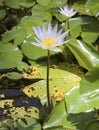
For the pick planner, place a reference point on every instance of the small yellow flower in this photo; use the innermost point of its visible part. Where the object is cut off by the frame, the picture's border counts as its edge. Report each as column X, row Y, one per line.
column 49, row 38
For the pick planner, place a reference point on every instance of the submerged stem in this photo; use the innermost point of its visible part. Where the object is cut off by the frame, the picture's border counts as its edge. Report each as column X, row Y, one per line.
column 47, row 82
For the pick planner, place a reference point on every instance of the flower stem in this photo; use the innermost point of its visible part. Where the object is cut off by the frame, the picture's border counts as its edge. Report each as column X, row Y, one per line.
column 47, row 82
column 68, row 26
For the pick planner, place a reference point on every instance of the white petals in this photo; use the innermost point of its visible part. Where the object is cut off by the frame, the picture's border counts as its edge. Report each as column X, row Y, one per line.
column 67, row 11
column 49, row 38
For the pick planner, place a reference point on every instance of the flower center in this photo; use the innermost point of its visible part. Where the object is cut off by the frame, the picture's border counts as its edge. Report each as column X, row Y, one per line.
column 48, row 41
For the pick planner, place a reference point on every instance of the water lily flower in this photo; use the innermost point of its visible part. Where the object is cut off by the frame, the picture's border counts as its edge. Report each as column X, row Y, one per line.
column 68, row 12
column 49, row 38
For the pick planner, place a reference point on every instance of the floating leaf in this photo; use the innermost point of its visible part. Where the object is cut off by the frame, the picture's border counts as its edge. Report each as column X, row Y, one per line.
column 13, row 3
column 71, row 113
column 85, row 27
column 57, row 118
column 92, row 6
column 57, row 3
column 22, row 66
column 10, row 55
column 86, row 55
column 7, row 124
column 14, row 75
column 60, row 82
column 16, row 35
column 28, row 124
column 27, row 3
column 42, row 12
column 79, row 5
column 28, row 22
column 33, row 52
column 44, row 2
column 2, row 14
column 17, row 109
column 90, row 82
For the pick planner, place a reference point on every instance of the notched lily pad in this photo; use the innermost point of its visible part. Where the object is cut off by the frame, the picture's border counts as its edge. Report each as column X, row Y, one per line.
column 60, row 81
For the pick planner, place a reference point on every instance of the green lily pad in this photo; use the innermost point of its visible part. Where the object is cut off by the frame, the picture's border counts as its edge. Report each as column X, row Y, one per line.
column 13, row 3
column 27, row 3
column 28, row 22
column 14, row 75
column 22, row 66
column 2, row 14
column 42, row 12
column 74, row 112
column 80, row 6
column 17, row 35
column 92, row 6
column 10, row 55
column 33, row 52
column 43, row 2
column 86, row 55
column 90, row 82
column 94, row 125
column 7, row 124
column 57, row 3
column 28, row 124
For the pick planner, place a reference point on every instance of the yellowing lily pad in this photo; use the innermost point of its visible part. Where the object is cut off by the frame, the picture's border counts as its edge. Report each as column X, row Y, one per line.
column 15, row 112
column 61, row 81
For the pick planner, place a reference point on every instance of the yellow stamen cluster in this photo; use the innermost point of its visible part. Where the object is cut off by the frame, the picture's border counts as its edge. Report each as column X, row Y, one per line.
column 48, row 41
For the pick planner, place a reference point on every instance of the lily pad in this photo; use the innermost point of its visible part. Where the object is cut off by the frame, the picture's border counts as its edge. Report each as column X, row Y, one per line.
column 28, row 124
column 17, row 110
column 57, row 3
column 28, row 22
column 14, row 75
column 10, row 55
column 60, row 82
column 92, row 6
column 13, row 3
column 72, row 113
column 15, row 35
column 43, row 2
column 42, row 12
column 2, row 14
column 22, row 66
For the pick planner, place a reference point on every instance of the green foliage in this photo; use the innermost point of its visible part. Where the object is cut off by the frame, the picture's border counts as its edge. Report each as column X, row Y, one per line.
column 15, row 35
column 2, row 14
column 28, row 124
column 72, row 113
column 80, row 105
column 14, row 75
column 42, row 12
column 16, row 4
column 43, row 2
column 31, row 51
column 10, row 55
column 92, row 6
column 86, row 55
column 22, row 66
column 90, row 81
